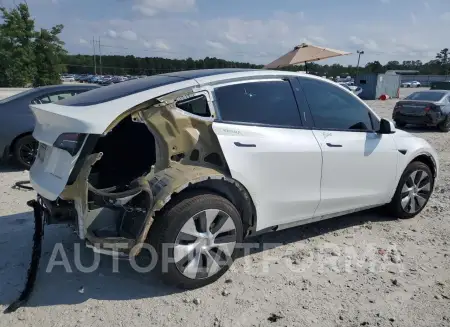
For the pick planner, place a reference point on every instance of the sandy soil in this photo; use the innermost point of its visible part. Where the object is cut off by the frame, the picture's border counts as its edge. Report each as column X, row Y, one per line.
column 359, row 270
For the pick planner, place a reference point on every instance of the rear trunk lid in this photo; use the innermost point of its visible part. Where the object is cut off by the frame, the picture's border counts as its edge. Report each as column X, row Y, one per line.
column 414, row 107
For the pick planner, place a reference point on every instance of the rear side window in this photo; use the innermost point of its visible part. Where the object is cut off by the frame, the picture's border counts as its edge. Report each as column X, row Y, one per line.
column 54, row 97
column 333, row 108
column 269, row 103
column 197, row 105
column 426, row 96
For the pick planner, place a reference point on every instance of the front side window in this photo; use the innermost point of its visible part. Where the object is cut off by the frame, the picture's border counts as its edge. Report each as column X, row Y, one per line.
column 333, row 108
column 266, row 102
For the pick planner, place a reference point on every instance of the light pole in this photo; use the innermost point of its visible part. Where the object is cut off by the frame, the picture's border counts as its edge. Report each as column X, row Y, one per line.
column 359, row 52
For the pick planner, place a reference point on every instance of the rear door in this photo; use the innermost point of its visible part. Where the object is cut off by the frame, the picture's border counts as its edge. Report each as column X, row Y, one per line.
column 269, row 149
column 359, row 165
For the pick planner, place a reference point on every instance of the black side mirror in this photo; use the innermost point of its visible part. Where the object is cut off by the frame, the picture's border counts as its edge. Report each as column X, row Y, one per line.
column 385, row 127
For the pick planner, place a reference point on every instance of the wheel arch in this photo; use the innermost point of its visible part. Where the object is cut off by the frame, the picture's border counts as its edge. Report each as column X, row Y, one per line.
column 228, row 188
column 17, row 138
column 428, row 160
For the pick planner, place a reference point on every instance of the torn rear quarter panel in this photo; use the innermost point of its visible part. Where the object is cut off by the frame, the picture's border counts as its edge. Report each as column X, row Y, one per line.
column 187, row 152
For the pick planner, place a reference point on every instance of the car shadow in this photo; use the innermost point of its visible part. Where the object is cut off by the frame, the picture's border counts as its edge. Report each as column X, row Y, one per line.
column 6, row 167
column 323, row 227
column 66, row 284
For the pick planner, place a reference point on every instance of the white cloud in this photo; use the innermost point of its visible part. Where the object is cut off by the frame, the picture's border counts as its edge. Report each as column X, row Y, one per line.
column 129, row 35
column 427, row 5
column 365, row 44
column 215, row 45
column 413, row 18
column 153, row 7
column 83, row 41
column 111, row 33
column 161, row 44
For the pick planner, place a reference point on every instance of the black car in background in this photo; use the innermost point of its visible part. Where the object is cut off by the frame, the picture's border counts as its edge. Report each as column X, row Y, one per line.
column 431, row 108
column 17, row 121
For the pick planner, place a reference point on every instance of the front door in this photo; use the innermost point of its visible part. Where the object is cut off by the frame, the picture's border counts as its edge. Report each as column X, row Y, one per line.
column 359, row 165
column 268, row 150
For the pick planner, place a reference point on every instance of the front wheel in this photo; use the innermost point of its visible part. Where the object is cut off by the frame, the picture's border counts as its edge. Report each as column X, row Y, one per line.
column 444, row 126
column 413, row 191
column 196, row 239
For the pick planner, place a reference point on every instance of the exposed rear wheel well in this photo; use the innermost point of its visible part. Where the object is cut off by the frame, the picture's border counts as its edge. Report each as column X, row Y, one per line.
column 232, row 191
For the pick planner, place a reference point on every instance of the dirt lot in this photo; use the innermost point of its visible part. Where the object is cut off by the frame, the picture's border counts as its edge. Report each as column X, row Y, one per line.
column 359, row 270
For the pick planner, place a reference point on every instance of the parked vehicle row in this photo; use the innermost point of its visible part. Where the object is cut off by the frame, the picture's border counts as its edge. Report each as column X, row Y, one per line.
column 228, row 154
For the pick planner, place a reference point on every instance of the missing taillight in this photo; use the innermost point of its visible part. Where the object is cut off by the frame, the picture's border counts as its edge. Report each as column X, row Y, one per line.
column 71, row 142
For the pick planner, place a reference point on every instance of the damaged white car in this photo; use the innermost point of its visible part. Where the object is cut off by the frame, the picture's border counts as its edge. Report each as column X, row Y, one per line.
column 203, row 159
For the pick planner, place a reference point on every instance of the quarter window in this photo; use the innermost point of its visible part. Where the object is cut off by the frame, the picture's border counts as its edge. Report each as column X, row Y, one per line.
column 333, row 108
column 197, row 105
column 269, row 103
column 54, row 97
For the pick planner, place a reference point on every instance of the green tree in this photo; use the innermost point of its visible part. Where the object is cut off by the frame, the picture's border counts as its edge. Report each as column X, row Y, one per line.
column 444, row 60
column 28, row 56
column 49, row 54
column 17, row 61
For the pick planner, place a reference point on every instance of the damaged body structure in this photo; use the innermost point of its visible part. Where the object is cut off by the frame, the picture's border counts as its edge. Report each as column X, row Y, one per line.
column 202, row 159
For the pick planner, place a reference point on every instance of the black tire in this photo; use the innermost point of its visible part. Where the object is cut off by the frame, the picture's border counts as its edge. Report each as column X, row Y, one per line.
column 400, row 124
column 395, row 207
column 444, row 126
column 25, row 151
column 167, row 226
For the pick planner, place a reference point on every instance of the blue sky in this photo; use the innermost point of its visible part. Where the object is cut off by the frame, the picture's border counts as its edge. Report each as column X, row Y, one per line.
column 257, row 31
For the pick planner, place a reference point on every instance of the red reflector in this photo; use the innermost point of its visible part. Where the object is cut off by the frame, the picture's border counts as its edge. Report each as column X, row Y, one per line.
column 427, row 109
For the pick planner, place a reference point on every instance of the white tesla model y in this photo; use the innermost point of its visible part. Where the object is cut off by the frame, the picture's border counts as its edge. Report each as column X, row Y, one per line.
column 199, row 160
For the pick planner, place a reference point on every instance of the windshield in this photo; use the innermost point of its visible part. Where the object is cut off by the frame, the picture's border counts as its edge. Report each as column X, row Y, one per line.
column 16, row 96
column 426, row 96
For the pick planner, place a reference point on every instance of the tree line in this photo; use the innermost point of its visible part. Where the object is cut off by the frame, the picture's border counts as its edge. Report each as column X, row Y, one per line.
column 37, row 57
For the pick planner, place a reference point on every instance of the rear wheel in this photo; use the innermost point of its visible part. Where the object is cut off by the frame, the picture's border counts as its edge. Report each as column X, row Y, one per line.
column 413, row 191
column 200, row 233
column 25, row 151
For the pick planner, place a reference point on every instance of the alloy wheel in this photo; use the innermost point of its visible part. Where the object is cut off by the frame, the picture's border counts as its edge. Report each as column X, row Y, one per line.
column 205, row 244
column 416, row 191
column 28, row 153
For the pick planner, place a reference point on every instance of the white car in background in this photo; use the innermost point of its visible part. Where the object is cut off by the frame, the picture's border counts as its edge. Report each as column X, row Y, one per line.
column 411, row 84
column 357, row 90
column 194, row 162
column 67, row 78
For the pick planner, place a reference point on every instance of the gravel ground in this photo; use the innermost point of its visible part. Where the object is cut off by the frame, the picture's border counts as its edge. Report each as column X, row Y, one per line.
column 359, row 270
